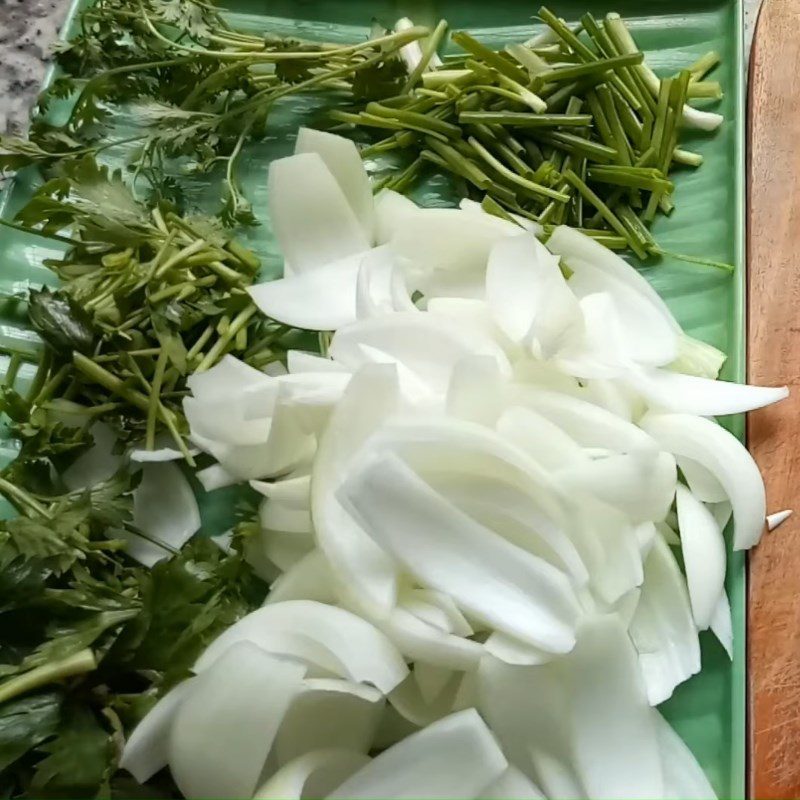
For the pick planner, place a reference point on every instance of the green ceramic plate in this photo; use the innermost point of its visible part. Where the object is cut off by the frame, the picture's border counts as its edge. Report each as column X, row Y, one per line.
column 708, row 711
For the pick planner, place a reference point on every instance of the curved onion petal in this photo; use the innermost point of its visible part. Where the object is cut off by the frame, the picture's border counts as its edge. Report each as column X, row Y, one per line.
column 528, row 295
column 613, row 736
column 526, row 708
column 726, row 458
column 640, row 484
column 380, row 287
column 687, row 394
column 145, row 751
column 454, row 757
column 311, row 775
column 646, row 333
column 300, row 362
column 361, row 568
column 722, row 625
column 392, row 211
column 225, row 726
column 437, row 608
column 473, row 207
column 571, row 245
column 684, row 778
column 216, row 383
column 662, row 628
column 164, row 508
column 477, row 390
column 416, row 706
column 703, row 555
column 293, row 492
column 778, row 518
column 429, row 345
column 431, row 680
column 487, row 576
column 418, row 640
column 449, row 244
column 344, row 162
column 311, row 218
column 513, row 651
column 309, row 578
column 586, row 423
column 306, row 630
column 322, row 299
column 511, row 785
column 704, row 486
column 539, row 437
column 215, row 477
column 328, row 713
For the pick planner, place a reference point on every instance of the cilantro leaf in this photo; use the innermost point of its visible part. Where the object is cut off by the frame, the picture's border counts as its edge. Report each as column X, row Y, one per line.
column 27, row 722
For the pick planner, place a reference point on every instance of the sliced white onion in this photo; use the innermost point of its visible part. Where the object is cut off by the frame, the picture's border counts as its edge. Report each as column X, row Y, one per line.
column 663, row 629
column 641, row 484
column 687, row 394
column 312, row 775
column 229, row 372
column 416, row 706
column 571, row 245
column 488, row 577
column 308, row 579
column 722, row 625
column 703, row 484
column 513, row 651
column 361, row 568
column 613, row 737
column 310, row 214
column 512, row 785
column 528, row 295
column 322, row 299
column 726, row 458
column 145, row 751
column 392, row 212
column 380, row 285
column 216, row 477
column 97, row 464
column 684, row 778
column 455, row 757
column 327, row 636
column 477, row 390
column 164, row 506
column 327, row 713
column 344, row 162
column 539, row 437
column 445, row 611
column 298, row 362
column 703, row 555
column 225, row 726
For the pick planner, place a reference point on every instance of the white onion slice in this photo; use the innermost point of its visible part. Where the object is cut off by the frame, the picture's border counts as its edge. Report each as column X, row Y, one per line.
column 703, row 554
column 327, row 713
column 684, row 778
column 361, row 568
column 311, row 218
column 722, row 625
column 417, row 707
column 322, row 299
column 230, row 372
column 300, row 362
column 488, row 577
column 216, row 477
column 726, row 458
column 312, row 775
column 225, row 726
column 164, row 506
column 309, row 578
column 778, row 518
column 145, row 751
column 539, row 438
column 344, row 162
column 687, row 394
column 528, row 295
column 97, row 464
column 704, row 486
column 476, row 391
column 571, row 245
column 511, row 785
column 663, row 629
column 454, row 757
column 392, row 211
column 314, row 631
column 613, row 736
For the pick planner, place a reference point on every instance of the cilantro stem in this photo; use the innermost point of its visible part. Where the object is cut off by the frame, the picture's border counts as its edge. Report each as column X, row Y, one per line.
column 77, row 664
column 102, row 376
column 152, row 410
column 33, row 231
column 428, row 51
column 22, row 500
column 238, row 322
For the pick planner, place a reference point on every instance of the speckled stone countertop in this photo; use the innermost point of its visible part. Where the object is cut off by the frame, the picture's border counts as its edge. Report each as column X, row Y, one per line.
column 29, row 27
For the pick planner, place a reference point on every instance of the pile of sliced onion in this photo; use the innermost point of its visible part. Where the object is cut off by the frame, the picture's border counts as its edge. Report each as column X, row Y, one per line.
column 476, row 504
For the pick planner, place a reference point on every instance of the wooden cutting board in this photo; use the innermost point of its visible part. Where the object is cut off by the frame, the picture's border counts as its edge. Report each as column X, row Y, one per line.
column 773, row 257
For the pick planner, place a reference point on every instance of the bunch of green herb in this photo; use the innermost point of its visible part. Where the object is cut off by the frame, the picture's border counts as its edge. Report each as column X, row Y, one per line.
column 145, row 299
column 568, row 129
column 197, row 88
column 90, row 641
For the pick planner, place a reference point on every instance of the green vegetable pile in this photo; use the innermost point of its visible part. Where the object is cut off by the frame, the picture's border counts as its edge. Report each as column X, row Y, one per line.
column 196, row 88
column 572, row 129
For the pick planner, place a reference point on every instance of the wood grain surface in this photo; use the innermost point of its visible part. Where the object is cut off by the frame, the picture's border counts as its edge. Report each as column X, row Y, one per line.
column 774, row 433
